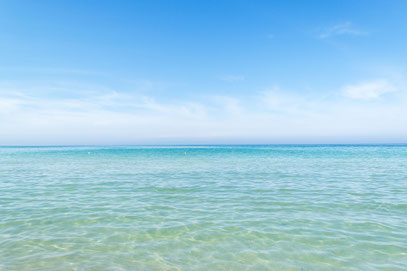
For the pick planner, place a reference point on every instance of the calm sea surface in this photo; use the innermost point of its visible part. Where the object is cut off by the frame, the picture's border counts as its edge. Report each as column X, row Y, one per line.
column 213, row 208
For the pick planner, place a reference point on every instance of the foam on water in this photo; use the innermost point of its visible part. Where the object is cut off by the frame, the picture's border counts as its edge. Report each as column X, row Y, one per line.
column 213, row 208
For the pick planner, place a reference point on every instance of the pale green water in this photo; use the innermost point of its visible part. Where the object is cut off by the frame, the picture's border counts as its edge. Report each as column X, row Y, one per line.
column 216, row 208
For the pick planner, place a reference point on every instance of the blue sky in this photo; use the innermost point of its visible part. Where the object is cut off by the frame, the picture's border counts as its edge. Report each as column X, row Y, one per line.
column 202, row 72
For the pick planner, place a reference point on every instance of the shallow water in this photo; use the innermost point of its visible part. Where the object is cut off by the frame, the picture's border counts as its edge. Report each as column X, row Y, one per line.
column 213, row 208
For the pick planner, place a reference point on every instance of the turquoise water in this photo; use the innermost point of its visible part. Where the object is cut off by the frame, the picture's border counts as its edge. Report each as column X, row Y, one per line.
column 213, row 208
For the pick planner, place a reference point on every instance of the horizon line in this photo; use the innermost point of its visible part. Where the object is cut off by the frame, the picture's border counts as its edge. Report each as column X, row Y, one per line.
column 207, row 145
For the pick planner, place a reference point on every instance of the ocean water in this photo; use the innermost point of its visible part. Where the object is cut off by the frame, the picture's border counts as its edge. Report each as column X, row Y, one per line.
column 203, row 208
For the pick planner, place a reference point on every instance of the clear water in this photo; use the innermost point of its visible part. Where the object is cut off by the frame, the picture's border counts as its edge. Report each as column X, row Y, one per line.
column 213, row 208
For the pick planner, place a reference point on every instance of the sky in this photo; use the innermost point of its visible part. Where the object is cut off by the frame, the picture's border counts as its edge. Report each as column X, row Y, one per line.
column 203, row 72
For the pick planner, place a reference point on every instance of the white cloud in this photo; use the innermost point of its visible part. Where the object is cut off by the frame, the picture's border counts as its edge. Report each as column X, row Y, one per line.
column 272, row 116
column 368, row 90
column 345, row 28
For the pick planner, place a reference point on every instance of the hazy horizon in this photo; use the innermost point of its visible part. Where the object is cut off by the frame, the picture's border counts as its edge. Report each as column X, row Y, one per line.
column 205, row 145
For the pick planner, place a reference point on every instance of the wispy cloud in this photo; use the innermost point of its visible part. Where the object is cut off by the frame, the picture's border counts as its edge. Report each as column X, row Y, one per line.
column 273, row 115
column 345, row 28
column 368, row 90
column 230, row 105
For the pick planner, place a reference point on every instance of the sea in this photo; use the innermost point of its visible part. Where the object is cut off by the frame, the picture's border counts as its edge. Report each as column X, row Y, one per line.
column 240, row 207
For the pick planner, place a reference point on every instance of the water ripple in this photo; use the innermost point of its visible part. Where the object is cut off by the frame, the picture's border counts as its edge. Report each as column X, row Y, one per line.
column 217, row 208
